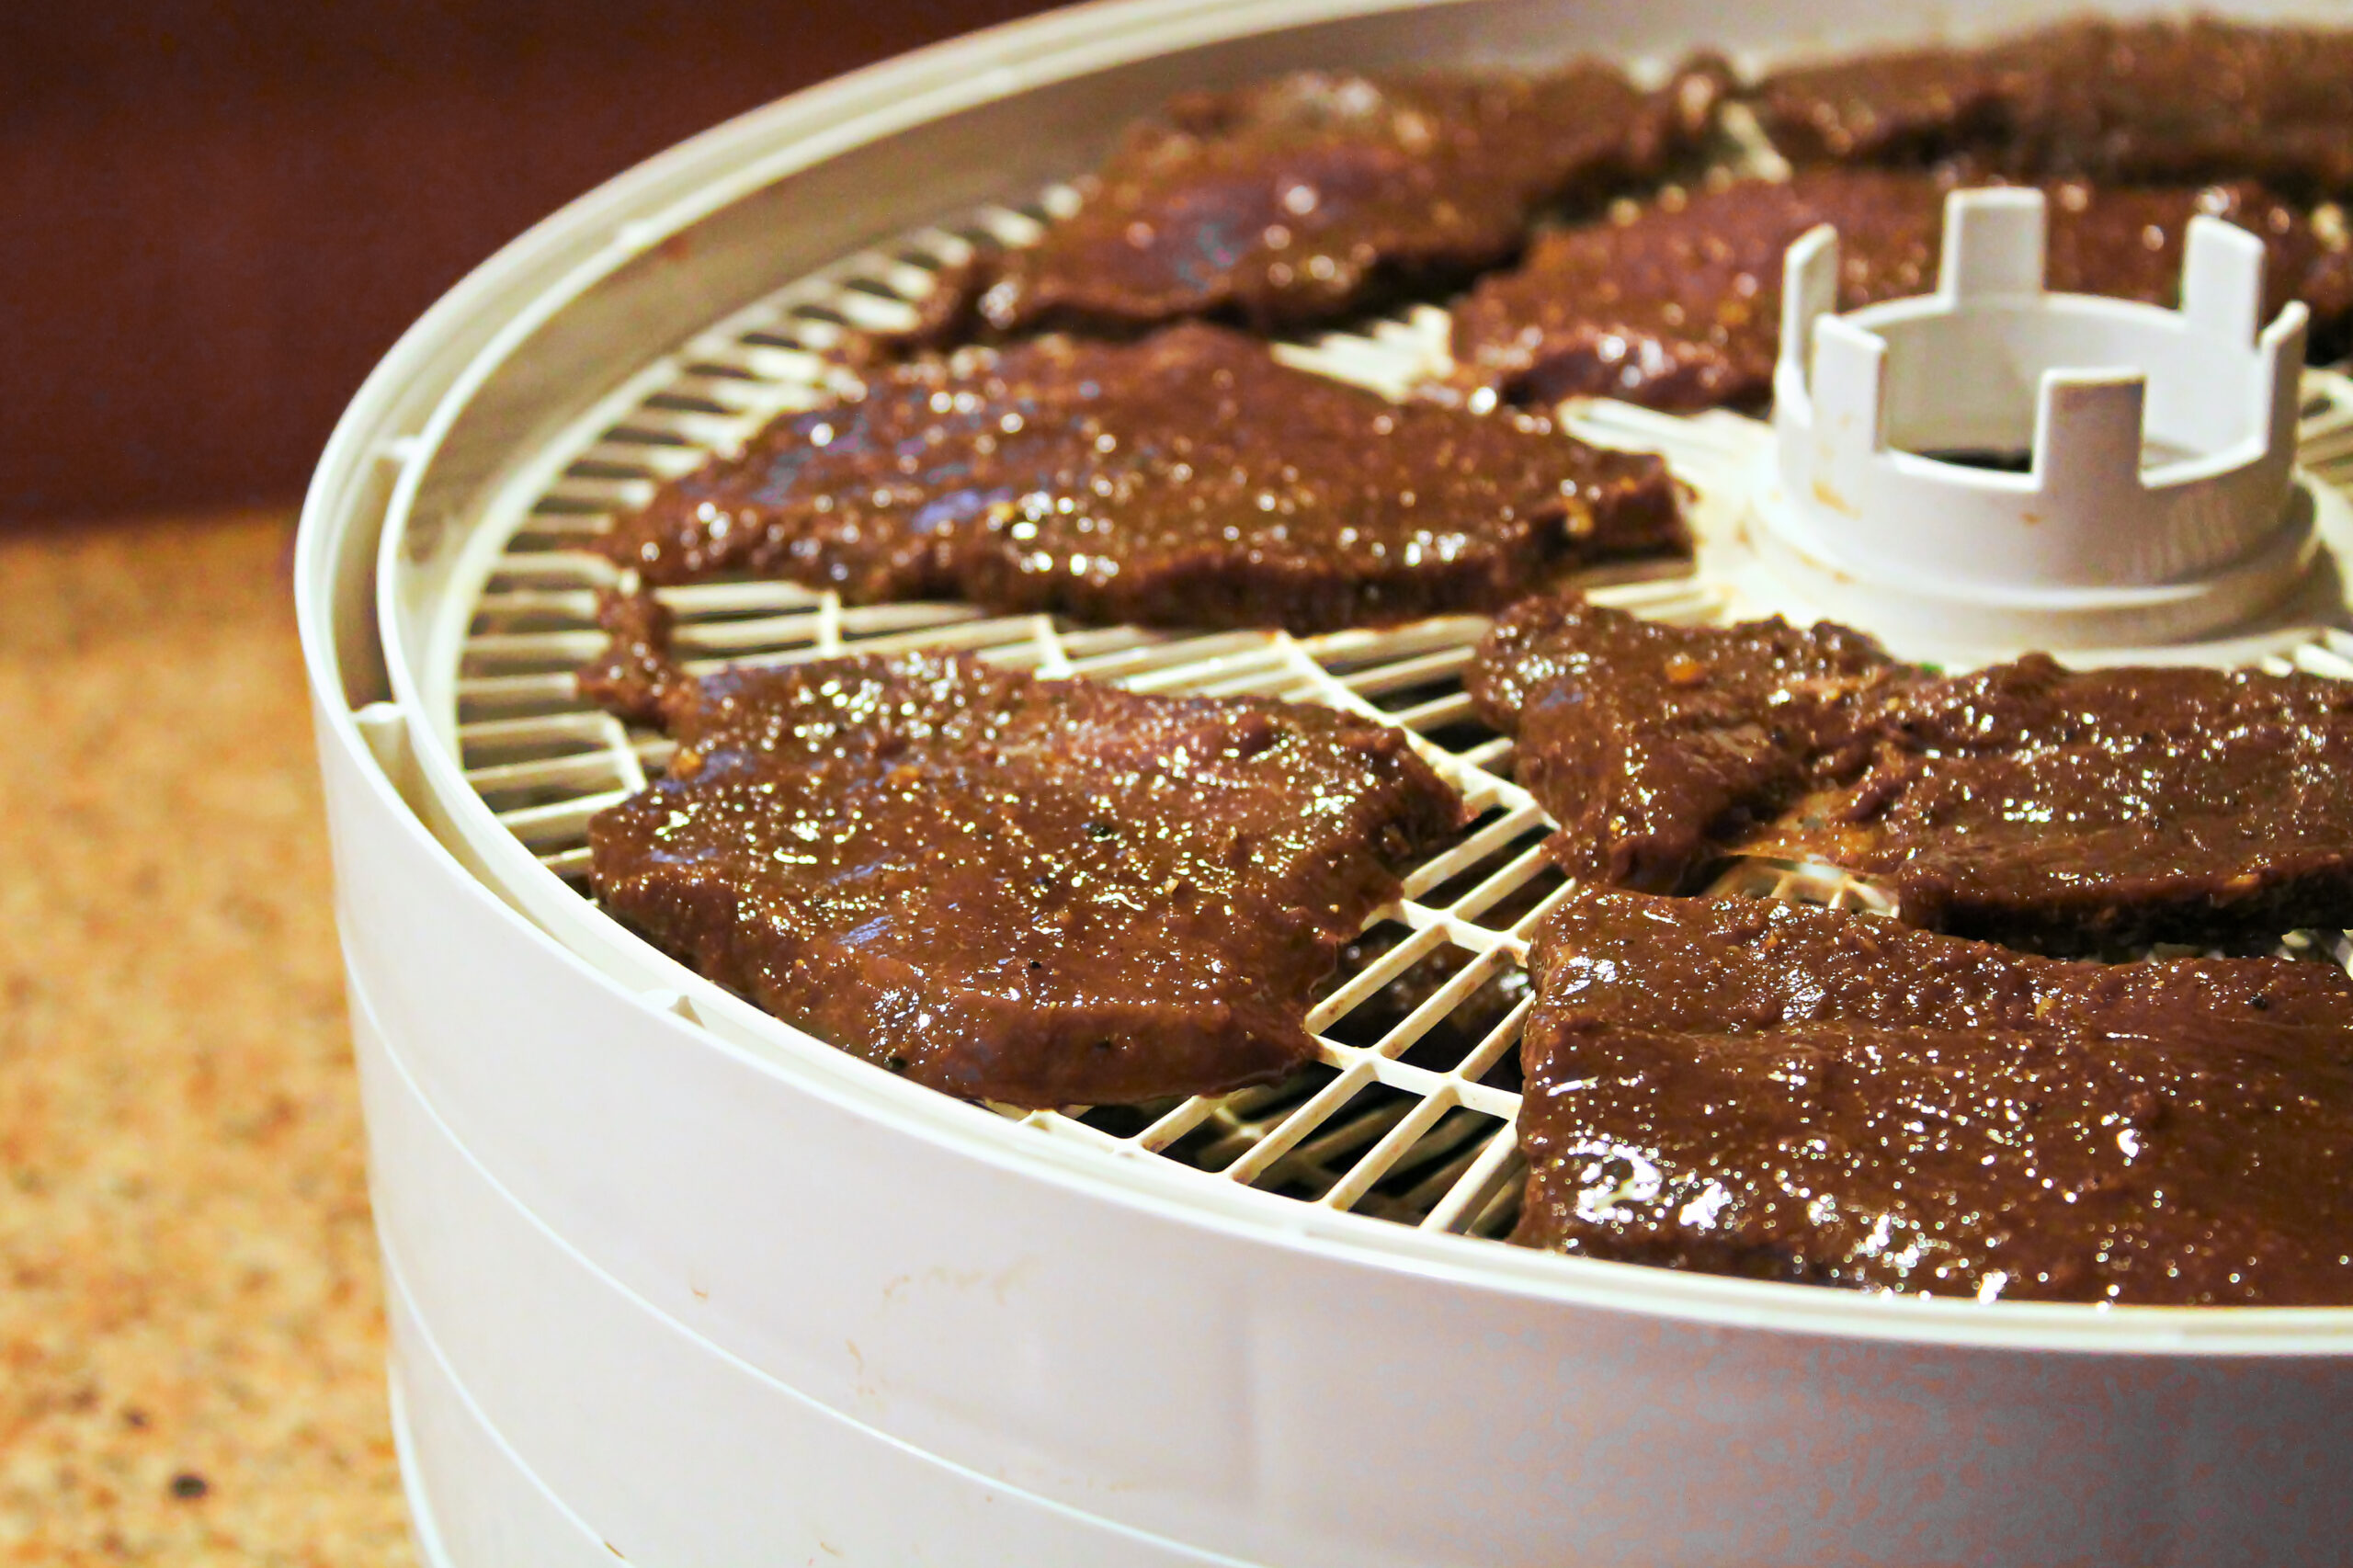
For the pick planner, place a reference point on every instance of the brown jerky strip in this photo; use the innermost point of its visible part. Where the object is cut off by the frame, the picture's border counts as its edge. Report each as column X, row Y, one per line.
column 1787, row 1093
column 2071, row 811
column 1187, row 479
column 1311, row 196
column 2090, row 810
column 1043, row 892
column 1658, row 748
column 2149, row 100
column 1680, row 306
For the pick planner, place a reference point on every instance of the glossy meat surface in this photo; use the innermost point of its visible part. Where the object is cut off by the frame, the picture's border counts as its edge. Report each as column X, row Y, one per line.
column 1656, row 747
column 1042, row 892
column 1187, row 479
column 2160, row 99
column 2084, row 810
column 1314, row 195
column 2069, row 811
column 1680, row 306
column 1789, row 1093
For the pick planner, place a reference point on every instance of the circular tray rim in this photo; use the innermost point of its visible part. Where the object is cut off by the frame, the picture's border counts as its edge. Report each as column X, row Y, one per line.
column 548, row 268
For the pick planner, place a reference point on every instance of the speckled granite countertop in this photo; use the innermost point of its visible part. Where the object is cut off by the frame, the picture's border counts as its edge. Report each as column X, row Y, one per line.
column 191, row 1341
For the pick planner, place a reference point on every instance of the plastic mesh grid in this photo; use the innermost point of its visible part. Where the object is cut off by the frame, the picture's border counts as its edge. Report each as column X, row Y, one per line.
column 1407, row 1112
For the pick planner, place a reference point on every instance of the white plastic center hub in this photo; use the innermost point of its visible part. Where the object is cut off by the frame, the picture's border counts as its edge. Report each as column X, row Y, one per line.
column 2158, row 500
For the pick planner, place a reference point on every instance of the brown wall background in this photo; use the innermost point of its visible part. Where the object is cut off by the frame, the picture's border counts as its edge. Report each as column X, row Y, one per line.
column 216, row 214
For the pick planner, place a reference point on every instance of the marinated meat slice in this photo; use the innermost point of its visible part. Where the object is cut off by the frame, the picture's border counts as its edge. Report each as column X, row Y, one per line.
column 1190, row 478
column 638, row 669
column 1787, row 1093
column 2069, row 811
column 1912, row 106
column 1657, row 748
column 1679, row 305
column 2089, row 810
column 2158, row 99
column 1311, row 195
column 1042, row 892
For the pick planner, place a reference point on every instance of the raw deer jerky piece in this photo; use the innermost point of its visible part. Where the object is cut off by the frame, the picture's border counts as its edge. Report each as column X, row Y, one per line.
column 1786, row 1093
column 1044, row 893
column 1189, row 478
column 1657, row 748
column 2070, row 811
column 1679, row 305
column 2161, row 99
column 638, row 668
column 2089, row 810
column 1309, row 195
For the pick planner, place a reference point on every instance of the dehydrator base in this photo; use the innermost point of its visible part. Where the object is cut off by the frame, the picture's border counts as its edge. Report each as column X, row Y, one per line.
column 1502, row 1426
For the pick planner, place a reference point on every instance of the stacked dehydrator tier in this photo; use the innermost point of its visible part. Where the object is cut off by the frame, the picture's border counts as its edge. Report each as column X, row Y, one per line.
column 672, row 1283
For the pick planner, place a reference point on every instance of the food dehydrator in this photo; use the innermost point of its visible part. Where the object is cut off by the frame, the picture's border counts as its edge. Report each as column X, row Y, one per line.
column 672, row 1283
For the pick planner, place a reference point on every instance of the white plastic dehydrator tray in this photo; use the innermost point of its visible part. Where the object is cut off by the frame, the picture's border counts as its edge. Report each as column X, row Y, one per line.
column 674, row 1283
